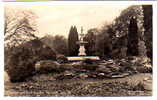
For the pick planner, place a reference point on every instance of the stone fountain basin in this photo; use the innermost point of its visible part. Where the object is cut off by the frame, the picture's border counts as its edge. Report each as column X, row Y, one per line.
column 82, row 58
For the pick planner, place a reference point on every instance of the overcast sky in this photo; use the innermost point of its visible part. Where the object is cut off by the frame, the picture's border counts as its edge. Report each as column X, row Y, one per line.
column 57, row 19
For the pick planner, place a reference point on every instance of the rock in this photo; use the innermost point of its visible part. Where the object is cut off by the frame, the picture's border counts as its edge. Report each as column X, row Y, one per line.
column 103, row 69
column 113, row 68
column 101, row 75
column 45, row 66
column 65, row 75
column 68, row 73
column 83, row 76
column 124, row 63
column 90, row 66
column 62, row 59
column 109, row 62
column 120, row 75
column 88, row 61
column 22, row 59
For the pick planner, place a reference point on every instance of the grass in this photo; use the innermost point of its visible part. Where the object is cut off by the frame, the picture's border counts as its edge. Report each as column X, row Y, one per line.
column 46, row 85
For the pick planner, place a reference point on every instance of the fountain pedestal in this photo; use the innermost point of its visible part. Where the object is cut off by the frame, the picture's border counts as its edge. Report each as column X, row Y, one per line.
column 81, row 43
column 82, row 51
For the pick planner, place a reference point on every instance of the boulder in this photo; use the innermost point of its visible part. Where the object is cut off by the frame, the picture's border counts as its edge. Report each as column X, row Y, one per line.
column 83, row 75
column 88, row 61
column 22, row 59
column 68, row 73
column 101, row 75
column 103, row 69
column 90, row 66
column 62, row 59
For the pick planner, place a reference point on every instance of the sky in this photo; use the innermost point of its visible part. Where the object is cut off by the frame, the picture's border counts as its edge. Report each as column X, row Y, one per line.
column 57, row 19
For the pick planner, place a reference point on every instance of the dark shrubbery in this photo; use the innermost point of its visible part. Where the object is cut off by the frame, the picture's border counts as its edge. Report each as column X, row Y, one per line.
column 88, row 61
column 22, row 59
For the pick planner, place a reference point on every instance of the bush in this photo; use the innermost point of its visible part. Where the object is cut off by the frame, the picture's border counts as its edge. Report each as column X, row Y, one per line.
column 19, row 65
column 22, row 59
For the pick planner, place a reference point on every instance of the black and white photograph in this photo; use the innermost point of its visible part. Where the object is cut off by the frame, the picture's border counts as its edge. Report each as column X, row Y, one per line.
column 78, row 50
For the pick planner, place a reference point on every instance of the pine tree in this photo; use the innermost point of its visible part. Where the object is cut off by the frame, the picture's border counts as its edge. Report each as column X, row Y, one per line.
column 72, row 41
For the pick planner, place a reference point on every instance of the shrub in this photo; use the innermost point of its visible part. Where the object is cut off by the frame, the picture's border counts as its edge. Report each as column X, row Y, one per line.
column 23, row 58
column 19, row 65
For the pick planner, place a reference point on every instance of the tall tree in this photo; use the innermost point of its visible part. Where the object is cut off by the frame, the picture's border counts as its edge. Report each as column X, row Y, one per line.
column 72, row 41
column 19, row 26
column 147, row 11
column 60, row 44
column 91, row 39
column 133, row 38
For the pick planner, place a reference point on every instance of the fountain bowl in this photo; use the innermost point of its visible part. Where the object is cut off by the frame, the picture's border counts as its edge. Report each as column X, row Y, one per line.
column 82, row 58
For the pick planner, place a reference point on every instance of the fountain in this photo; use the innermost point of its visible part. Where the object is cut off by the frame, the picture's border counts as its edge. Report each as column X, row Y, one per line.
column 81, row 43
column 82, row 54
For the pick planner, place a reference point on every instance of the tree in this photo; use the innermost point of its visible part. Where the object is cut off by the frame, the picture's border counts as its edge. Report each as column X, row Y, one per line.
column 19, row 27
column 147, row 11
column 133, row 38
column 91, row 41
column 128, row 34
column 72, row 41
column 103, row 42
column 60, row 45
column 48, row 40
